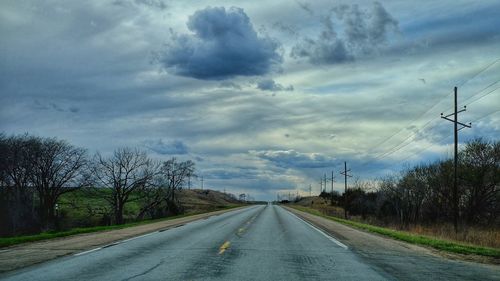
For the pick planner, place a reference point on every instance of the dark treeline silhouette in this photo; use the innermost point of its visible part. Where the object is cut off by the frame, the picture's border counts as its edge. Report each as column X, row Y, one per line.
column 35, row 172
column 423, row 194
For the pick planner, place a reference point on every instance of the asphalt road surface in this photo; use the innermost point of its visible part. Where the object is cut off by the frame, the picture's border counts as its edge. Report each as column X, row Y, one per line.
column 255, row 243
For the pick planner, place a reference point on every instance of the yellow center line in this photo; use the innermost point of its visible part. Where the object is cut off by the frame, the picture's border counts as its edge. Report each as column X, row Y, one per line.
column 224, row 247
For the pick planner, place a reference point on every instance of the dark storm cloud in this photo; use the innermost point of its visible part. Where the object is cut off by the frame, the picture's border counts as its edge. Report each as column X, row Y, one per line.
column 271, row 85
column 166, row 147
column 326, row 49
column 294, row 159
column 358, row 33
column 224, row 44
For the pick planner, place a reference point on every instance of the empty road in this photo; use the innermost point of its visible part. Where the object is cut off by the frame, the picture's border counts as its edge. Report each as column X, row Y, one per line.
column 255, row 243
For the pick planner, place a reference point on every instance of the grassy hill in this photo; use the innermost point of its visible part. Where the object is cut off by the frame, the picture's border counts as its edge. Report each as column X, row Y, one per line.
column 196, row 200
column 82, row 209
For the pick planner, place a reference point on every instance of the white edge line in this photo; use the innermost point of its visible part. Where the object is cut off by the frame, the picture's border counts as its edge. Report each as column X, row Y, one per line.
column 133, row 238
column 322, row 232
column 114, row 243
column 137, row 237
column 86, row 252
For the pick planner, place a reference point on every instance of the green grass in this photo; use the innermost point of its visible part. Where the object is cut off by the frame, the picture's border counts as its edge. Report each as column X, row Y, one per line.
column 443, row 245
column 9, row 241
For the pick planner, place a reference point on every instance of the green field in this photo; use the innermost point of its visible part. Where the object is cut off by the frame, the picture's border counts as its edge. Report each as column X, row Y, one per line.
column 9, row 241
column 81, row 211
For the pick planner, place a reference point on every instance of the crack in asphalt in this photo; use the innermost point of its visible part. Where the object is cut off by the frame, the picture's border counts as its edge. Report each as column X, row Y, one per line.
column 145, row 272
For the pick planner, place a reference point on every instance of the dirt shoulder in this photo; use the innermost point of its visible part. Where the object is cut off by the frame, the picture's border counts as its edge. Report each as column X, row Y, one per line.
column 399, row 259
column 23, row 255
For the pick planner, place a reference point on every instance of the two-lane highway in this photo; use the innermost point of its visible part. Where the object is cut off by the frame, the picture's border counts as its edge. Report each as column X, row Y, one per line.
column 255, row 243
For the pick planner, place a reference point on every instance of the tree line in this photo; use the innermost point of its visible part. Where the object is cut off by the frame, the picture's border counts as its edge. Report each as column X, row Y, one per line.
column 36, row 171
column 423, row 194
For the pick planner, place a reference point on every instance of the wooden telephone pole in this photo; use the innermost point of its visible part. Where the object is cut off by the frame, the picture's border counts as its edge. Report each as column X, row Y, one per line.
column 344, row 173
column 331, row 194
column 455, row 158
column 325, row 182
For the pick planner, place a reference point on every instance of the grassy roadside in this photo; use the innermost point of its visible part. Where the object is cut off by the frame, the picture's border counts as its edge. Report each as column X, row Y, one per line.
column 9, row 241
column 438, row 244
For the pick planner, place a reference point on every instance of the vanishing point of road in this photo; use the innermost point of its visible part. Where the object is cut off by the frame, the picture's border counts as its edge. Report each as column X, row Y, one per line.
column 264, row 242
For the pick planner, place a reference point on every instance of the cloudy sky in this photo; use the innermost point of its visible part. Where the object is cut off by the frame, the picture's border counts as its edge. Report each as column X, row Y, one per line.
column 265, row 96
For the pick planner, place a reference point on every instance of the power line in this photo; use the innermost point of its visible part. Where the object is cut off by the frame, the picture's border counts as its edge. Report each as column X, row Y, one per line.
column 442, row 139
column 391, row 151
column 480, row 97
column 402, row 144
column 479, row 72
column 397, row 148
column 439, row 101
column 425, row 148
column 466, row 102
column 491, row 113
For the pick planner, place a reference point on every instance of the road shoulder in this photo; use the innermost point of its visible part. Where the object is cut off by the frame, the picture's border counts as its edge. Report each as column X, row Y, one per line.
column 27, row 254
column 397, row 258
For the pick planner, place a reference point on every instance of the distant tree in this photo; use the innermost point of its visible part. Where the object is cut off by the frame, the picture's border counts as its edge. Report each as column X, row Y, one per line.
column 42, row 169
column 392, row 204
column 160, row 199
column 480, row 180
column 125, row 172
column 4, row 150
column 58, row 168
column 176, row 174
column 17, row 165
column 361, row 199
column 16, row 168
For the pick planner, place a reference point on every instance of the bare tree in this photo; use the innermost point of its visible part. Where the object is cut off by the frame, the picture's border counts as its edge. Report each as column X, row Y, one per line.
column 176, row 173
column 16, row 167
column 125, row 172
column 480, row 180
column 160, row 198
column 58, row 168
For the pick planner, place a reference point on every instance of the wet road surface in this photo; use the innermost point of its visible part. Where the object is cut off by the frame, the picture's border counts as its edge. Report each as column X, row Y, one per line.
column 264, row 242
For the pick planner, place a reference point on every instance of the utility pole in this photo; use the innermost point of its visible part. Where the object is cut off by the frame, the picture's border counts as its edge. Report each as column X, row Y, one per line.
column 201, row 182
column 320, row 185
column 455, row 157
column 331, row 194
column 325, row 182
column 345, row 187
column 310, row 190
